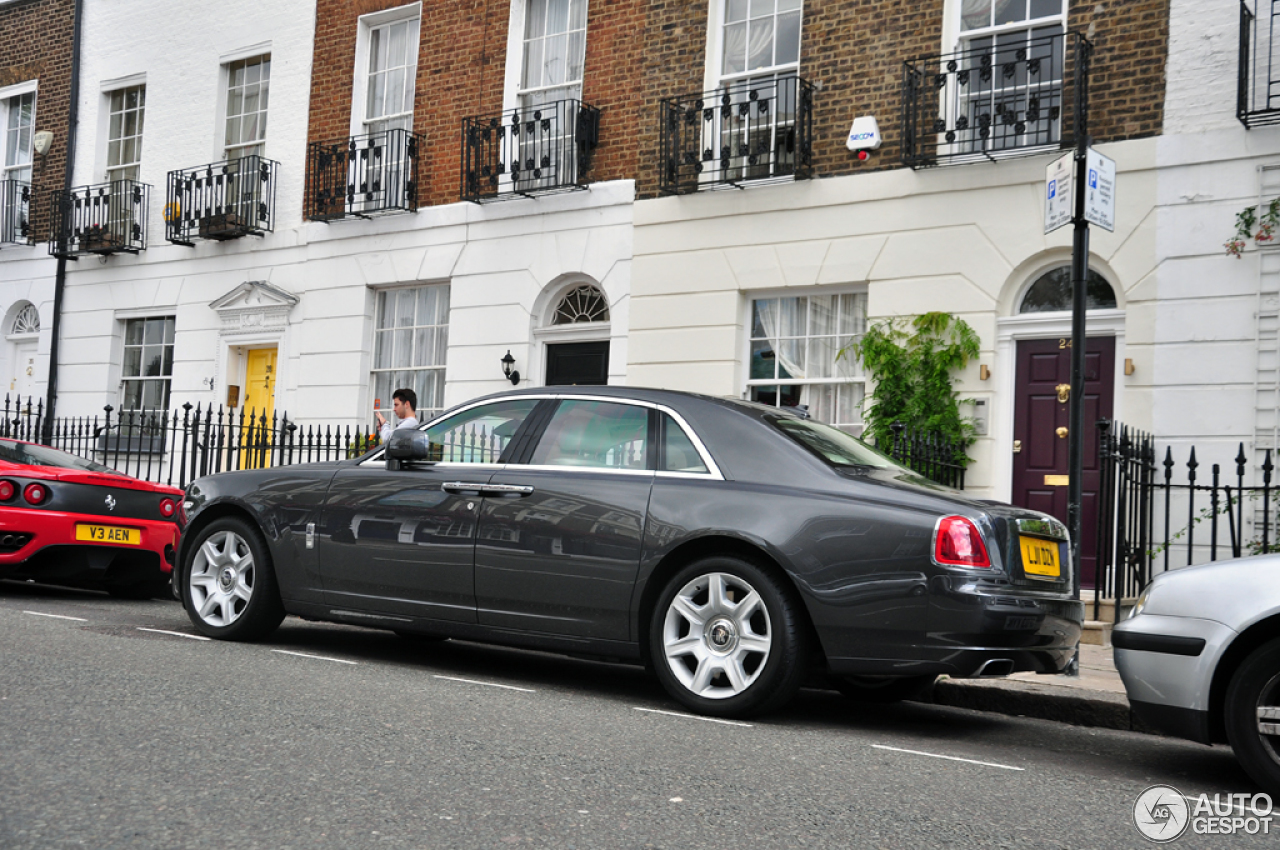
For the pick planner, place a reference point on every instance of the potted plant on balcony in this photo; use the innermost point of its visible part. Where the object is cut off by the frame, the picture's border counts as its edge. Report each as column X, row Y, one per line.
column 225, row 225
column 100, row 238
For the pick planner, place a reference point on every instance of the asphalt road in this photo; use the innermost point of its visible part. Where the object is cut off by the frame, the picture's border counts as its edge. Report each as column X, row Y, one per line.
column 120, row 730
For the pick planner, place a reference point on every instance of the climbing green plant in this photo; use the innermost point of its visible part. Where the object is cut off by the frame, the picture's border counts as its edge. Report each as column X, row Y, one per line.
column 912, row 364
column 1250, row 224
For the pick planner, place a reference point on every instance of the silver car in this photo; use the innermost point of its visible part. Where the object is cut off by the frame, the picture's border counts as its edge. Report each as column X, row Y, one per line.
column 1200, row 659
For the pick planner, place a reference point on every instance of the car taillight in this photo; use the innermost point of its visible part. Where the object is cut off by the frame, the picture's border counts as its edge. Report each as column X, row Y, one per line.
column 7, row 490
column 958, row 543
column 35, row 493
column 167, row 508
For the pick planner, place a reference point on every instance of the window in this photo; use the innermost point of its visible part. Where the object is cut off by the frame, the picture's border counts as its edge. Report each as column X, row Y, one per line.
column 248, row 82
column 1005, row 40
column 124, row 133
column 555, row 49
column 25, row 322
column 410, row 340
column 148, row 363
column 795, row 356
column 18, row 114
column 678, row 452
column 581, row 304
column 19, row 124
column 759, row 60
column 1052, row 292
column 598, row 434
column 480, row 434
column 390, row 74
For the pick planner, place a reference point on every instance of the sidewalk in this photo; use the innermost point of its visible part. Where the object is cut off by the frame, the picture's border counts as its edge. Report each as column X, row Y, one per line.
column 1094, row 698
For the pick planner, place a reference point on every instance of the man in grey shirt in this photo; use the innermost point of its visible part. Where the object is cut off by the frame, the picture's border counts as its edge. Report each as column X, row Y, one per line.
column 404, row 402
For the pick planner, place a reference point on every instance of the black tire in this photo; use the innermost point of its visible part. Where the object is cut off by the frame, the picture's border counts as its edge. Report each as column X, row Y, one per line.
column 228, row 584
column 882, row 689
column 1256, row 687
column 764, row 646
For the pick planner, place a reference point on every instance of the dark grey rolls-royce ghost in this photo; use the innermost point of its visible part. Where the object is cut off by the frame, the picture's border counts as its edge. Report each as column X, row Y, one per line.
column 731, row 547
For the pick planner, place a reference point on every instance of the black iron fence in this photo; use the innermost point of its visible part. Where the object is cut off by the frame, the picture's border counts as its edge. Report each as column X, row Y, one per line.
column 995, row 99
column 932, row 455
column 15, row 212
column 1158, row 513
column 1258, row 81
column 363, row 176
column 531, row 151
column 221, row 200
column 177, row 446
column 106, row 218
column 751, row 130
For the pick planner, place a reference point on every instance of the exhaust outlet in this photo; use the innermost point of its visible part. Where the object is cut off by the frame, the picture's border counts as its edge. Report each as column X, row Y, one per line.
column 995, row 668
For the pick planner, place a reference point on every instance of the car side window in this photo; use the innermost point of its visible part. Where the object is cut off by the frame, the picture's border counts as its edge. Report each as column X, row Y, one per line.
column 599, row 434
column 678, row 452
column 480, row 434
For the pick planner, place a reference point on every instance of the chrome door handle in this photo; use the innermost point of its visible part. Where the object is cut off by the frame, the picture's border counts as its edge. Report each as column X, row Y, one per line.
column 462, row 487
column 506, row 490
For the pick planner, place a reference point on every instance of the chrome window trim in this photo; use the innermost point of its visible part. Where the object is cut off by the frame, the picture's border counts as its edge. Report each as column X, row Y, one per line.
column 713, row 473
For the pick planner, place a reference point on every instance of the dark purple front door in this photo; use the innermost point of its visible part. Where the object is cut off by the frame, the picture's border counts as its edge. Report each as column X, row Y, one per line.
column 1040, row 423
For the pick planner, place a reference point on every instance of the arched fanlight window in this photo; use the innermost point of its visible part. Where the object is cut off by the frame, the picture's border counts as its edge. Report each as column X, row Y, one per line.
column 581, row 304
column 26, row 322
column 1052, row 292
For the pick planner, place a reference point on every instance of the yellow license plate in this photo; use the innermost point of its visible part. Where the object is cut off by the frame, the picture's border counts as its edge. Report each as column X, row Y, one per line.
column 109, row 534
column 1040, row 557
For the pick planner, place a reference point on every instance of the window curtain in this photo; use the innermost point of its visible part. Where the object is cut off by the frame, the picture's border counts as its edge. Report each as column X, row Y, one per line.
column 739, row 49
column 976, row 14
column 785, row 317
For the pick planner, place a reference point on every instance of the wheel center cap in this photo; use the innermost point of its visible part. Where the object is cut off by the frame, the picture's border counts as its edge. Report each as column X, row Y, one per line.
column 227, row 578
column 721, row 635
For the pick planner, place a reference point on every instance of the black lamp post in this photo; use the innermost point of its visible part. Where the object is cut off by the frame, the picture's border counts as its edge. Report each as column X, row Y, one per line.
column 507, row 362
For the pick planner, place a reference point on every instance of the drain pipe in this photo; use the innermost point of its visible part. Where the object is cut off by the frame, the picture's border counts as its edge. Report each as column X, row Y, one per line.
column 60, row 275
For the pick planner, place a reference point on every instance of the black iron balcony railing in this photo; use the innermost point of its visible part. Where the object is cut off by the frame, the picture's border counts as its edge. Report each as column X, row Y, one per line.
column 1258, row 84
column 15, row 212
column 525, row 152
column 107, row 218
column 222, row 200
column 363, row 176
column 752, row 130
column 995, row 100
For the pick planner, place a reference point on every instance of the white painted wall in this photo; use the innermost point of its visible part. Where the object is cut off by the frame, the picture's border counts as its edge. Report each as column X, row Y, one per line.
column 963, row 239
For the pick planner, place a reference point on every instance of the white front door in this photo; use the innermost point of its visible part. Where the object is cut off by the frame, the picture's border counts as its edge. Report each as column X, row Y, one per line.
column 22, row 381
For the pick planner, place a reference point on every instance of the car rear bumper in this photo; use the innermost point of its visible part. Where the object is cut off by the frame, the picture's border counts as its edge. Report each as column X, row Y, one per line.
column 969, row 629
column 34, row 532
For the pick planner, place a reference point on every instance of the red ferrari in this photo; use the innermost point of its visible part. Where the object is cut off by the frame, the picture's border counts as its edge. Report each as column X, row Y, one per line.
column 67, row 520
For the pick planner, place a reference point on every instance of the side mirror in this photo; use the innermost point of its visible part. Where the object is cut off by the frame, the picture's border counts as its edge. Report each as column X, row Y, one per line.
column 410, row 445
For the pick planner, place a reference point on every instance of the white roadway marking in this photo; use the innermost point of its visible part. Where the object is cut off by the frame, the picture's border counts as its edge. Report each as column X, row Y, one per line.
column 316, row 657
column 487, row 684
column 948, row 758
column 693, row 717
column 56, row 616
column 175, row 634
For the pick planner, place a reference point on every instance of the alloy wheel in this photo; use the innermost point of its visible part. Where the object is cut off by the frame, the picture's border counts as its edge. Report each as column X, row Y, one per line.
column 717, row 636
column 222, row 578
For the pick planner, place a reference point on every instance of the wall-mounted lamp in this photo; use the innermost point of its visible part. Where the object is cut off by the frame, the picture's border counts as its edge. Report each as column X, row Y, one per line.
column 507, row 362
column 984, row 372
column 42, row 141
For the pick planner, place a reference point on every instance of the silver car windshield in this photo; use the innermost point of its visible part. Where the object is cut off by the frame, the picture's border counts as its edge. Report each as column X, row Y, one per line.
column 833, row 445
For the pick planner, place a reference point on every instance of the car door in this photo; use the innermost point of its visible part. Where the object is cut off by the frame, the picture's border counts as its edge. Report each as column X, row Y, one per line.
column 559, row 541
column 402, row 542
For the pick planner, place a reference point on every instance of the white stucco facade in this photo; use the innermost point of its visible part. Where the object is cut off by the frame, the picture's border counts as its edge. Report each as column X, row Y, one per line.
column 505, row 263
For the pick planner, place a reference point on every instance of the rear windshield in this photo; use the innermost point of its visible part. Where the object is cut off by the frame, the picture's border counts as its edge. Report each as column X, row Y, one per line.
column 833, row 445
column 28, row 453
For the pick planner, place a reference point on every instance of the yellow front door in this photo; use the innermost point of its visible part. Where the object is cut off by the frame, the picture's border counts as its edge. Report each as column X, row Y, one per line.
column 260, row 383
column 259, row 403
